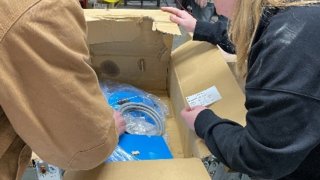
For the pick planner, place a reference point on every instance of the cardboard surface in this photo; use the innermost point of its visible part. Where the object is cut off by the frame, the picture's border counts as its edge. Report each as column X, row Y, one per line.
column 198, row 66
column 172, row 127
column 160, row 19
column 131, row 46
column 176, row 169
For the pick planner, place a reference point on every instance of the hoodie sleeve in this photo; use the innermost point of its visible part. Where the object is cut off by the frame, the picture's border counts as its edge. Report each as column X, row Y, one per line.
column 282, row 100
column 215, row 33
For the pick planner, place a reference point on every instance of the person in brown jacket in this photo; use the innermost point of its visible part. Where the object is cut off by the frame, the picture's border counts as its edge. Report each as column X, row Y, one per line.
column 50, row 100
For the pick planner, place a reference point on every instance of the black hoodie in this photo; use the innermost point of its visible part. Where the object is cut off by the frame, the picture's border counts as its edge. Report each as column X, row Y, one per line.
column 215, row 33
column 282, row 135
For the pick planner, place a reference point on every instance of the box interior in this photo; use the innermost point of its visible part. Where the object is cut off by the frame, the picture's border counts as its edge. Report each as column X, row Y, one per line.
column 131, row 52
column 134, row 47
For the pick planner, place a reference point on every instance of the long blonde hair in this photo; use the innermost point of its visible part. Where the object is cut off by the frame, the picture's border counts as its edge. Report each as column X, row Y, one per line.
column 246, row 17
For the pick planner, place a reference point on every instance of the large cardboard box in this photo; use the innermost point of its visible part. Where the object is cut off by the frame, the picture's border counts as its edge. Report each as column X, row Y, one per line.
column 134, row 46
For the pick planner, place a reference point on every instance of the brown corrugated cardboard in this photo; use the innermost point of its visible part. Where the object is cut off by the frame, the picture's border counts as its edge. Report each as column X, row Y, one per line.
column 131, row 46
column 134, row 46
column 198, row 66
column 177, row 169
column 161, row 21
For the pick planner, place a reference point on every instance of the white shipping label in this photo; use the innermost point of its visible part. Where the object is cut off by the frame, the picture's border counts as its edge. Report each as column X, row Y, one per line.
column 204, row 98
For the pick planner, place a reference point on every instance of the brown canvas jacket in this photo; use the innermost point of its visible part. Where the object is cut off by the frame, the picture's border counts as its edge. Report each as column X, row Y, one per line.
column 49, row 96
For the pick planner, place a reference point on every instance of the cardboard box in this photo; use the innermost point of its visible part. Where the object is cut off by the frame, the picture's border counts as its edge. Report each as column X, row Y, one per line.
column 134, row 46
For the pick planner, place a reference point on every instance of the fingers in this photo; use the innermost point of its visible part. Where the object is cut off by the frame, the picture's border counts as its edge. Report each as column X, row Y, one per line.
column 119, row 122
column 181, row 18
column 173, row 10
column 195, row 108
column 176, row 19
column 116, row 114
column 184, row 111
column 198, row 108
column 122, row 127
column 176, row 14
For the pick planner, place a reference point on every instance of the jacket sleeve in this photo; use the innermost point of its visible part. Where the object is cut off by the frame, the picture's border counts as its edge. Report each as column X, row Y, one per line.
column 282, row 100
column 50, row 93
column 215, row 33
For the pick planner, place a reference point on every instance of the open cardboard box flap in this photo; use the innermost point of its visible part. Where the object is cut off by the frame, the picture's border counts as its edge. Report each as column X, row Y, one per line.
column 134, row 46
column 127, row 21
column 195, row 67
column 177, row 169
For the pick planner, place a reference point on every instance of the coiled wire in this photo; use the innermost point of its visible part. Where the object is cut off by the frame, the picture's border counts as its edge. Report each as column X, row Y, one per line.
column 151, row 112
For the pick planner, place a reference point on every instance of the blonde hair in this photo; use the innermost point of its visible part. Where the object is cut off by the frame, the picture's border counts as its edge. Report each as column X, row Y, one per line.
column 246, row 17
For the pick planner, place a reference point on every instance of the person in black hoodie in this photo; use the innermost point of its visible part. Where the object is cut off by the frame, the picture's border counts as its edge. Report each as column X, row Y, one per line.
column 277, row 44
column 215, row 33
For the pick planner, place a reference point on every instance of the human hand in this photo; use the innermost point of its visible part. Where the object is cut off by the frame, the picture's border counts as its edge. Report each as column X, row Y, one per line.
column 202, row 3
column 120, row 123
column 182, row 18
column 190, row 114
